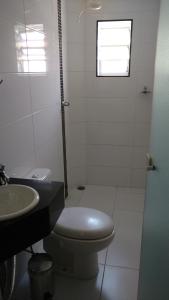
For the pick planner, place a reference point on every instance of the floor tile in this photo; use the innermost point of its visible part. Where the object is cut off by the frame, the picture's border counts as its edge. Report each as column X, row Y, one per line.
column 132, row 190
column 98, row 197
column 124, row 250
column 128, row 223
column 72, row 289
column 119, row 284
column 102, row 256
column 129, row 201
column 23, row 290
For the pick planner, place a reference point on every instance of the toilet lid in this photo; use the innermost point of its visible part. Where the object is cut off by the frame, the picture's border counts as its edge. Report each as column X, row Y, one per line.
column 84, row 223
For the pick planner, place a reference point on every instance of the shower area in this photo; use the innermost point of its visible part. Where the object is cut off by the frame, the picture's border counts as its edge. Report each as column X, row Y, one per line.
column 108, row 121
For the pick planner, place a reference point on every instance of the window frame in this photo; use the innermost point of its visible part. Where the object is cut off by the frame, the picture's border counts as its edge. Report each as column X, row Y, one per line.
column 131, row 35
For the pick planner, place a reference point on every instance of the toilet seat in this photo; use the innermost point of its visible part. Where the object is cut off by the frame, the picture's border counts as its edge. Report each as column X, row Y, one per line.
column 84, row 224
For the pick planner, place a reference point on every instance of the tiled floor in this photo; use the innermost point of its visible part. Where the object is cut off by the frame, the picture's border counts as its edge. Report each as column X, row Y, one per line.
column 119, row 264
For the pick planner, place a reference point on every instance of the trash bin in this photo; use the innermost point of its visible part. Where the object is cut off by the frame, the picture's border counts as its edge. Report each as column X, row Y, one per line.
column 40, row 269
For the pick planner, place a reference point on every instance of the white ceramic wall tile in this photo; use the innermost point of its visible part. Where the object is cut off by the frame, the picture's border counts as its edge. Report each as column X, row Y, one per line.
column 90, row 28
column 78, row 134
column 90, row 57
column 142, row 134
column 133, row 6
column 75, row 6
column 77, row 176
column 52, row 51
column 44, row 91
column 117, row 134
column 145, row 24
column 110, row 110
column 75, row 28
column 17, row 145
column 109, row 156
column 77, row 110
column 76, row 84
column 38, row 12
column 143, row 109
column 75, row 57
column 138, row 178
column 146, row 57
column 106, row 87
column 78, row 289
column 108, row 176
column 139, row 157
column 119, row 284
column 48, row 141
column 8, row 52
column 78, row 157
column 74, row 197
column 12, row 11
column 99, row 197
column 145, row 78
column 15, row 98
column 129, row 201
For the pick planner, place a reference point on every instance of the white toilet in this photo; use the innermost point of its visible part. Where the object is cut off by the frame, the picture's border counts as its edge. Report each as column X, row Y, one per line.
column 77, row 237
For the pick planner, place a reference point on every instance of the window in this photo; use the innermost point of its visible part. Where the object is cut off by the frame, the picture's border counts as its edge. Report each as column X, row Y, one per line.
column 114, row 47
column 31, row 49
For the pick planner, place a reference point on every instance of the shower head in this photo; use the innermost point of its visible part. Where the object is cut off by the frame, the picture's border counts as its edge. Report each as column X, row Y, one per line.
column 93, row 5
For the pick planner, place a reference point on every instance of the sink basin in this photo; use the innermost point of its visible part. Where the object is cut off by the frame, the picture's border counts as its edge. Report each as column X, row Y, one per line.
column 16, row 200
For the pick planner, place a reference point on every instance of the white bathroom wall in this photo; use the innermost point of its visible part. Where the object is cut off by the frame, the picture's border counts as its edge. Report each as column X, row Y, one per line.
column 30, row 119
column 118, row 116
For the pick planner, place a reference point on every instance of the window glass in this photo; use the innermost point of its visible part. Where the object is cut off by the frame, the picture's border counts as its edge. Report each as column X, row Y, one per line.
column 113, row 47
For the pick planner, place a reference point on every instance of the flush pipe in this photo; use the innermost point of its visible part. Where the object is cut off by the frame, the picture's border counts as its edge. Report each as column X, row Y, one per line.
column 7, row 278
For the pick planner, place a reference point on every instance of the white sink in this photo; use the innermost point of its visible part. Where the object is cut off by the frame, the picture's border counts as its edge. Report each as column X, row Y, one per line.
column 16, row 200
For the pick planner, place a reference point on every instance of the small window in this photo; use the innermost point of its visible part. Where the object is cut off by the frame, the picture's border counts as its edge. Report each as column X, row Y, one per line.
column 114, row 47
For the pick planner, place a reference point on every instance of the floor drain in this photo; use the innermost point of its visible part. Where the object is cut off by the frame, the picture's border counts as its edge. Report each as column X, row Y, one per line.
column 81, row 188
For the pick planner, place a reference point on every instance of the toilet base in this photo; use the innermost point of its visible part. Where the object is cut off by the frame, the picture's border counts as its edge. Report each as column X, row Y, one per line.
column 79, row 266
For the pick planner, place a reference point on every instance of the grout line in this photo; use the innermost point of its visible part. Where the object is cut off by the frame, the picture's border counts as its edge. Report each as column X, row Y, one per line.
column 122, row 267
column 130, row 211
column 104, row 268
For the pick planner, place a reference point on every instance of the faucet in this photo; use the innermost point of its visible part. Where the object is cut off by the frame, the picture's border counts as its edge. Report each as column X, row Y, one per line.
column 4, row 179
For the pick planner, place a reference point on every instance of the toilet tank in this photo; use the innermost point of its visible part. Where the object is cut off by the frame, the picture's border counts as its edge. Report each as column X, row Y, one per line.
column 41, row 174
